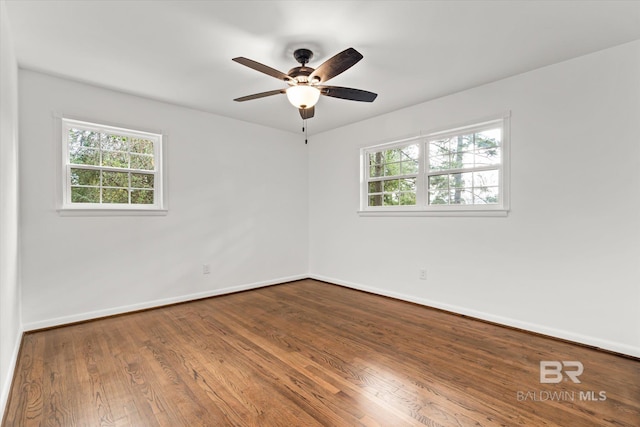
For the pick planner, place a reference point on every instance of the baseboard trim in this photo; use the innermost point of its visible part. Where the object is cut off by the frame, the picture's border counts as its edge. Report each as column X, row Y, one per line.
column 11, row 373
column 92, row 315
column 597, row 343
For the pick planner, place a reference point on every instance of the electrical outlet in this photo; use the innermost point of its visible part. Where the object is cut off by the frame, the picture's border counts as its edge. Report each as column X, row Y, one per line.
column 206, row 269
column 422, row 274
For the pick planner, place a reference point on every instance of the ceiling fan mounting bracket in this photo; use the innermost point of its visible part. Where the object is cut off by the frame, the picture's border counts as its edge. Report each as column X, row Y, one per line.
column 303, row 56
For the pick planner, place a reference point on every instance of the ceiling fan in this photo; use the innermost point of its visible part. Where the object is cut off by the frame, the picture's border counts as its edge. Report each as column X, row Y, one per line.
column 306, row 83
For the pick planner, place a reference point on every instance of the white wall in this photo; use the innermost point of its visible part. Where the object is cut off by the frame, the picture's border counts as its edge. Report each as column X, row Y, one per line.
column 10, row 326
column 565, row 262
column 237, row 201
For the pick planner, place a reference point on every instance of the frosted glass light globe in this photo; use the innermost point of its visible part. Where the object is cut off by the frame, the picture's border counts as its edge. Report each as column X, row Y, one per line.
column 303, row 96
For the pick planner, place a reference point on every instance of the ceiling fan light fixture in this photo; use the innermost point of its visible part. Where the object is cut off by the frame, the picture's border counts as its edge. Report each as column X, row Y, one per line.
column 303, row 96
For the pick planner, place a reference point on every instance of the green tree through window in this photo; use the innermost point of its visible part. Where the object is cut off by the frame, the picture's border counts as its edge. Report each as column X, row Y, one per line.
column 454, row 170
column 464, row 169
column 110, row 166
column 393, row 175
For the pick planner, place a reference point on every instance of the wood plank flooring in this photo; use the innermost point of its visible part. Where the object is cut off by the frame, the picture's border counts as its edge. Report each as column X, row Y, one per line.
column 307, row 354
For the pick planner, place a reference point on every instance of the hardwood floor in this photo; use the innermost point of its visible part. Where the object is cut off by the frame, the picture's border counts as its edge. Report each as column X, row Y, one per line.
column 308, row 353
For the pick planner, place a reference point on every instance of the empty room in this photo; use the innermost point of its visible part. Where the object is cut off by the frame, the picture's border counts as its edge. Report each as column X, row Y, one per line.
column 319, row 213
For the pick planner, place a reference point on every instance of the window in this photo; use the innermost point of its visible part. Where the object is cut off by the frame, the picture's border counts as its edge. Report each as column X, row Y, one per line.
column 110, row 168
column 453, row 171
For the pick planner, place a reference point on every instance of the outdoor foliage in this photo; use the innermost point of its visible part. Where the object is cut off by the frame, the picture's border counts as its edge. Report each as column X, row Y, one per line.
column 462, row 169
column 450, row 184
column 399, row 163
column 110, row 168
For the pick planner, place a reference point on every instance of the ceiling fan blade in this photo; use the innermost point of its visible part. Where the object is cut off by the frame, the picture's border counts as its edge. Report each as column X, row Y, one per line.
column 262, row 68
column 307, row 113
column 347, row 93
column 336, row 65
column 260, row 95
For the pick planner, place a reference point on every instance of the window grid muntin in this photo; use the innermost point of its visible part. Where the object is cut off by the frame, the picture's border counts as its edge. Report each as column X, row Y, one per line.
column 132, row 137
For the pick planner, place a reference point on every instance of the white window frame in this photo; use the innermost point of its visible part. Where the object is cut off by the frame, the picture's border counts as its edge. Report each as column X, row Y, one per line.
column 66, row 205
column 422, row 208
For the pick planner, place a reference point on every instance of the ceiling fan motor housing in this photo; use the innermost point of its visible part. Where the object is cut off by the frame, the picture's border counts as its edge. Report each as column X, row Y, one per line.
column 300, row 73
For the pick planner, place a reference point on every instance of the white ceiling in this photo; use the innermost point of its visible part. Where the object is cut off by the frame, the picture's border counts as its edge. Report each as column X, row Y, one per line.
column 414, row 51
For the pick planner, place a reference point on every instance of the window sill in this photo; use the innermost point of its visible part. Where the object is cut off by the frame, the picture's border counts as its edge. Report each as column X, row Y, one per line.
column 437, row 213
column 111, row 212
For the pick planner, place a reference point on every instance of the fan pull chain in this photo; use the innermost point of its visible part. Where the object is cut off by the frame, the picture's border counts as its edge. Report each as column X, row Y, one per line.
column 304, row 129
